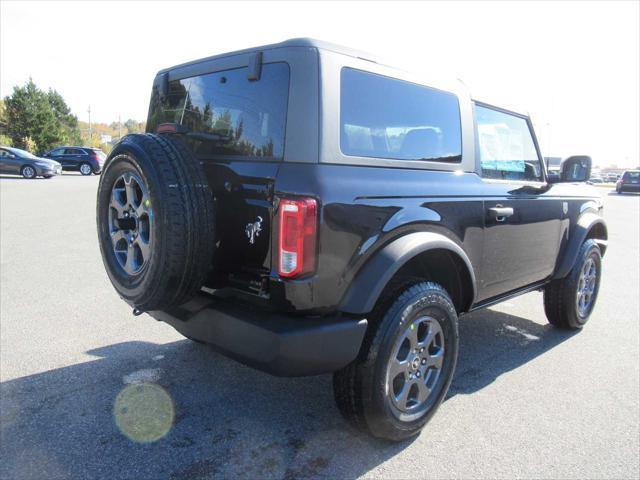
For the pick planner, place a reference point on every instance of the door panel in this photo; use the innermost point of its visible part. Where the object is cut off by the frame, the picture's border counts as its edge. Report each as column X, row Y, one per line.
column 244, row 213
column 5, row 163
column 522, row 219
column 520, row 249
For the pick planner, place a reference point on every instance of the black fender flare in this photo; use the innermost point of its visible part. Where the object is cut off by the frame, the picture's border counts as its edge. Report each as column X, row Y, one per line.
column 584, row 225
column 366, row 287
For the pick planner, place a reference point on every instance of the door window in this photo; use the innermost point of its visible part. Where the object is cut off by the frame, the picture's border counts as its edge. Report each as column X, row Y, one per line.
column 507, row 150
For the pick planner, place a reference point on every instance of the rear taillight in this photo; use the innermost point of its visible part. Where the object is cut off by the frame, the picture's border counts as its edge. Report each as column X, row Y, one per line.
column 297, row 239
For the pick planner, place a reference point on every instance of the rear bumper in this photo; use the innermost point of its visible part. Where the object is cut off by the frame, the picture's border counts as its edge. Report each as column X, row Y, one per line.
column 283, row 345
column 630, row 187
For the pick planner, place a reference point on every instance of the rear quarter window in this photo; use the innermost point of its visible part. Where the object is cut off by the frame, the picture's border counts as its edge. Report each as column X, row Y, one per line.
column 384, row 117
column 235, row 117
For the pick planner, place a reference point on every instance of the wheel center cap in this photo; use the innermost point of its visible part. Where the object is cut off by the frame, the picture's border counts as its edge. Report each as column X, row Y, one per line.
column 415, row 363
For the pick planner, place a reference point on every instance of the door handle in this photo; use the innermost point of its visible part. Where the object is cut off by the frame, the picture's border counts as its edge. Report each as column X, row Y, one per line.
column 501, row 213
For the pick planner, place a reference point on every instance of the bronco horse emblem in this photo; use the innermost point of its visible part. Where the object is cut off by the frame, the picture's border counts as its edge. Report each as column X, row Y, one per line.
column 253, row 230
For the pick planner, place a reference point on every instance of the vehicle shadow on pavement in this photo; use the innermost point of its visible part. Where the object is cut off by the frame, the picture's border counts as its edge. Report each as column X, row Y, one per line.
column 230, row 420
column 624, row 194
column 20, row 177
column 493, row 343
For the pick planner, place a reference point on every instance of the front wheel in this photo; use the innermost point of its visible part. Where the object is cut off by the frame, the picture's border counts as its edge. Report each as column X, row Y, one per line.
column 405, row 365
column 28, row 172
column 569, row 301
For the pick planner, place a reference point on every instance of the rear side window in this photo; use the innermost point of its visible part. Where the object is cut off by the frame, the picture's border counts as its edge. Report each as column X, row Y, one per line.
column 228, row 114
column 384, row 117
column 506, row 146
column 74, row 151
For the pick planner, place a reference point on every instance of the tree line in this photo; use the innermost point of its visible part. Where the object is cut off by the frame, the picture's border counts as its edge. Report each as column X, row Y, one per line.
column 37, row 120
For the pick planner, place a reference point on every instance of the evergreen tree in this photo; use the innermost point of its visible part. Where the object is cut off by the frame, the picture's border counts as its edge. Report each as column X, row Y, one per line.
column 43, row 117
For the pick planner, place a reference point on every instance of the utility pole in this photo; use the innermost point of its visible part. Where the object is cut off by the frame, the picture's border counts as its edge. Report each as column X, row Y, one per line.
column 89, row 110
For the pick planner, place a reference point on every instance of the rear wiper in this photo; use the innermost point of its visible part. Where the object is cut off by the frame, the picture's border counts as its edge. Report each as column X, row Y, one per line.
column 208, row 137
column 184, row 130
column 450, row 158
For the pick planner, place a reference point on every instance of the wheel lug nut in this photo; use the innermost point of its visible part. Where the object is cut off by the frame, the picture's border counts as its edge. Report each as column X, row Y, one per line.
column 424, row 361
column 422, row 350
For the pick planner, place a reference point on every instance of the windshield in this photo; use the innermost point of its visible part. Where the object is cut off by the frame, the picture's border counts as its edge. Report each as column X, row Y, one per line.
column 21, row 153
column 226, row 113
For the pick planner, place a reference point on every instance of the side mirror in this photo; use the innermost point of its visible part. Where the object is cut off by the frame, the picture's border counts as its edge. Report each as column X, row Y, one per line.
column 576, row 169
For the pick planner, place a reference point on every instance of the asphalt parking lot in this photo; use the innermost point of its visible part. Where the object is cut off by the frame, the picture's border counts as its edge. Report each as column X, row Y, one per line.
column 527, row 401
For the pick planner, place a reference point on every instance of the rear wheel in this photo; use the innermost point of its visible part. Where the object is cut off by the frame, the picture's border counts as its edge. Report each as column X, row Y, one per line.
column 155, row 221
column 85, row 169
column 405, row 365
column 569, row 302
column 28, row 172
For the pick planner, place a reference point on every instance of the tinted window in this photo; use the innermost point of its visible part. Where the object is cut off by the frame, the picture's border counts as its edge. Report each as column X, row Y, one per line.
column 74, row 151
column 631, row 175
column 21, row 153
column 506, row 146
column 57, row 151
column 389, row 118
column 234, row 116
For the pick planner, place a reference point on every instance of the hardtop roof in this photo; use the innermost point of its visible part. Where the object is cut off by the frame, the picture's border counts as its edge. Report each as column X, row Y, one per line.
column 307, row 42
column 293, row 42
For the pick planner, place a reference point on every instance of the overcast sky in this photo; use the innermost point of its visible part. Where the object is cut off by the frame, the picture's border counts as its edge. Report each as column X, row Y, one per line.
column 573, row 66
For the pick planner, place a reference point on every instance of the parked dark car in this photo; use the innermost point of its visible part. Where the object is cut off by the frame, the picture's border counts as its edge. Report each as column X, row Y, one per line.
column 307, row 209
column 14, row 161
column 85, row 160
column 629, row 182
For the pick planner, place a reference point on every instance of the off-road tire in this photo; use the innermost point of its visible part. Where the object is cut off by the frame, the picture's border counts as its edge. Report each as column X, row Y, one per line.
column 560, row 295
column 360, row 387
column 182, row 230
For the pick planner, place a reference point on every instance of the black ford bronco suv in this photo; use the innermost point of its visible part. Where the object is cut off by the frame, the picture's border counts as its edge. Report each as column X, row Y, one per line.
column 307, row 209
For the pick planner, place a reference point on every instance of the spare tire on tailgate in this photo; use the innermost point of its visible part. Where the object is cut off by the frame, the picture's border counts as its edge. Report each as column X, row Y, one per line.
column 155, row 216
